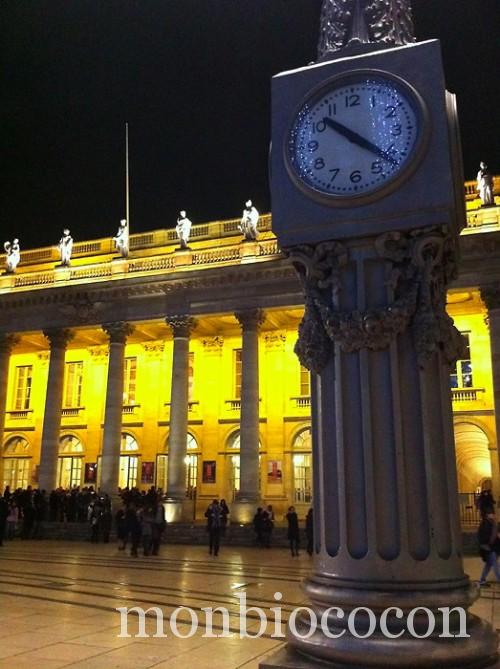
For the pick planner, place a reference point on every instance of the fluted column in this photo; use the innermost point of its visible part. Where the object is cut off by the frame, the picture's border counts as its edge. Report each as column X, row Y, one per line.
column 491, row 297
column 387, row 532
column 58, row 339
column 7, row 343
column 110, row 460
column 182, row 325
column 248, row 496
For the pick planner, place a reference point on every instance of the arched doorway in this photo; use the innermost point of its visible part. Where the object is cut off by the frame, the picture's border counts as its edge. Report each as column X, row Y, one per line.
column 191, row 460
column 16, row 463
column 129, row 461
column 233, row 467
column 473, row 467
column 302, row 467
column 69, row 462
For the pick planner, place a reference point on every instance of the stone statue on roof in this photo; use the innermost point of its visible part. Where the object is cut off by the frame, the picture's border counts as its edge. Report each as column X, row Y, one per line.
column 121, row 239
column 485, row 185
column 66, row 247
column 353, row 22
column 249, row 222
column 183, row 229
column 12, row 255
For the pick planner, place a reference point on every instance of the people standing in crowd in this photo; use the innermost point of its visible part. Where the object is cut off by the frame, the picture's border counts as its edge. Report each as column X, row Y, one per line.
column 214, row 523
column 4, row 512
column 310, row 532
column 224, row 509
column 267, row 528
column 12, row 519
column 147, row 517
column 159, row 525
column 133, row 527
column 489, row 546
column 293, row 530
column 258, row 526
column 121, row 527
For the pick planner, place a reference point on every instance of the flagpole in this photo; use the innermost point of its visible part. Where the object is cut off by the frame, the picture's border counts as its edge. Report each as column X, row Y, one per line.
column 127, row 199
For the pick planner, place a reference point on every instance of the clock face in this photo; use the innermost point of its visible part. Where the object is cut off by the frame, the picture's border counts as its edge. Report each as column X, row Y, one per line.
column 355, row 136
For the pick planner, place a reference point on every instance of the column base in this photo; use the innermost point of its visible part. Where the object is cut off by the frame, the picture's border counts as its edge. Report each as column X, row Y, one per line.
column 288, row 658
column 179, row 511
column 243, row 511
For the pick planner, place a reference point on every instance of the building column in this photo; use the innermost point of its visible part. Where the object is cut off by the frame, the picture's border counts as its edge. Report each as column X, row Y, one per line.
column 177, row 506
column 491, row 298
column 7, row 343
column 248, row 497
column 59, row 339
column 386, row 519
column 110, row 460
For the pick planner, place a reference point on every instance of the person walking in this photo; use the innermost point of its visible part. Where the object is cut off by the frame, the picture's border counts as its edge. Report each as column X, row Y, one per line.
column 293, row 530
column 159, row 525
column 310, row 532
column 214, row 523
column 489, row 546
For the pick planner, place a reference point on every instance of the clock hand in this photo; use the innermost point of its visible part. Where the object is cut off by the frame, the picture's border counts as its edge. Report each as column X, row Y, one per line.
column 360, row 141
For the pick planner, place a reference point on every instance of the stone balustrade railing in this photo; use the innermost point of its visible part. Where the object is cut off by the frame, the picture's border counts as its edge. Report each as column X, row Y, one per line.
column 168, row 262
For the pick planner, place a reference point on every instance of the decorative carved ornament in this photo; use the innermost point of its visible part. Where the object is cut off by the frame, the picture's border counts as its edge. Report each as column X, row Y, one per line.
column 58, row 337
column 275, row 340
column 347, row 22
column 213, row 345
column 182, row 325
column 422, row 262
column 82, row 310
column 250, row 319
column 118, row 332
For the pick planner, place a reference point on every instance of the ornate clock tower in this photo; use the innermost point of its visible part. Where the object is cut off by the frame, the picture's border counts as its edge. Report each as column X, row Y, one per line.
column 366, row 184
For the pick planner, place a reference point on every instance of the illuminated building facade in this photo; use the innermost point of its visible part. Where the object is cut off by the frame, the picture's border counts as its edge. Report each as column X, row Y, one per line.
column 176, row 368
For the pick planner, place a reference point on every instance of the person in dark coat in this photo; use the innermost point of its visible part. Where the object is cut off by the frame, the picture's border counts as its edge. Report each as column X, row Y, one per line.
column 224, row 509
column 489, row 546
column 214, row 525
column 133, row 527
column 293, row 530
column 485, row 503
column 159, row 526
column 258, row 526
column 4, row 512
column 121, row 527
column 310, row 532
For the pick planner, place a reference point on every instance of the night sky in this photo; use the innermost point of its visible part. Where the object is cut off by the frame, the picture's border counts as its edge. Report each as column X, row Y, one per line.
column 192, row 78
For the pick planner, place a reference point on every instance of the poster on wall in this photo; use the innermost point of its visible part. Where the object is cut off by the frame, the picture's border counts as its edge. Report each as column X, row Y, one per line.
column 274, row 471
column 209, row 471
column 148, row 472
column 90, row 472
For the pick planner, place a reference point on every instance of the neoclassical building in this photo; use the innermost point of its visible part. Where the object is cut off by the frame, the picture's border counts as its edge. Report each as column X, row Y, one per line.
column 176, row 368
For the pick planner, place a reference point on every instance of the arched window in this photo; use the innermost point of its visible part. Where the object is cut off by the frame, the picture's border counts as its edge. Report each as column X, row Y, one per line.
column 302, row 467
column 128, row 443
column 16, row 463
column 70, row 444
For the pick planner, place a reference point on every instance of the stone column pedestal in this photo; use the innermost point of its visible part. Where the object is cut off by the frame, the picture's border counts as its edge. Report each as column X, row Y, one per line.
column 47, row 477
column 110, row 459
column 386, row 521
column 7, row 343
column 177, row 507
column 243, row 508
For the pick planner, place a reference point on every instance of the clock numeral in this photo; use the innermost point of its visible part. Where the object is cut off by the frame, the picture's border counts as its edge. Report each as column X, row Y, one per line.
column 355, row 176
column 391, row 110
column 320, row 126
column 373, row 101
column 377, row 167
column 334, row 172
column 332, row 109
column 313, row 146
column 352, row 100
column 396, row 130
column 319, row 164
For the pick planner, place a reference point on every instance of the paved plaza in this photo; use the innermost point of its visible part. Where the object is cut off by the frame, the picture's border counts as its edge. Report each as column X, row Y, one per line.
column 58, row 602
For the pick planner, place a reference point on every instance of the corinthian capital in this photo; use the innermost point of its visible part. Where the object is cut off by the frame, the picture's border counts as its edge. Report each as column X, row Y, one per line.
column 182, row 325
column 58, row 337
column 491, row 297
column 118, row 331
column 250, row 319
column 7, row 342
